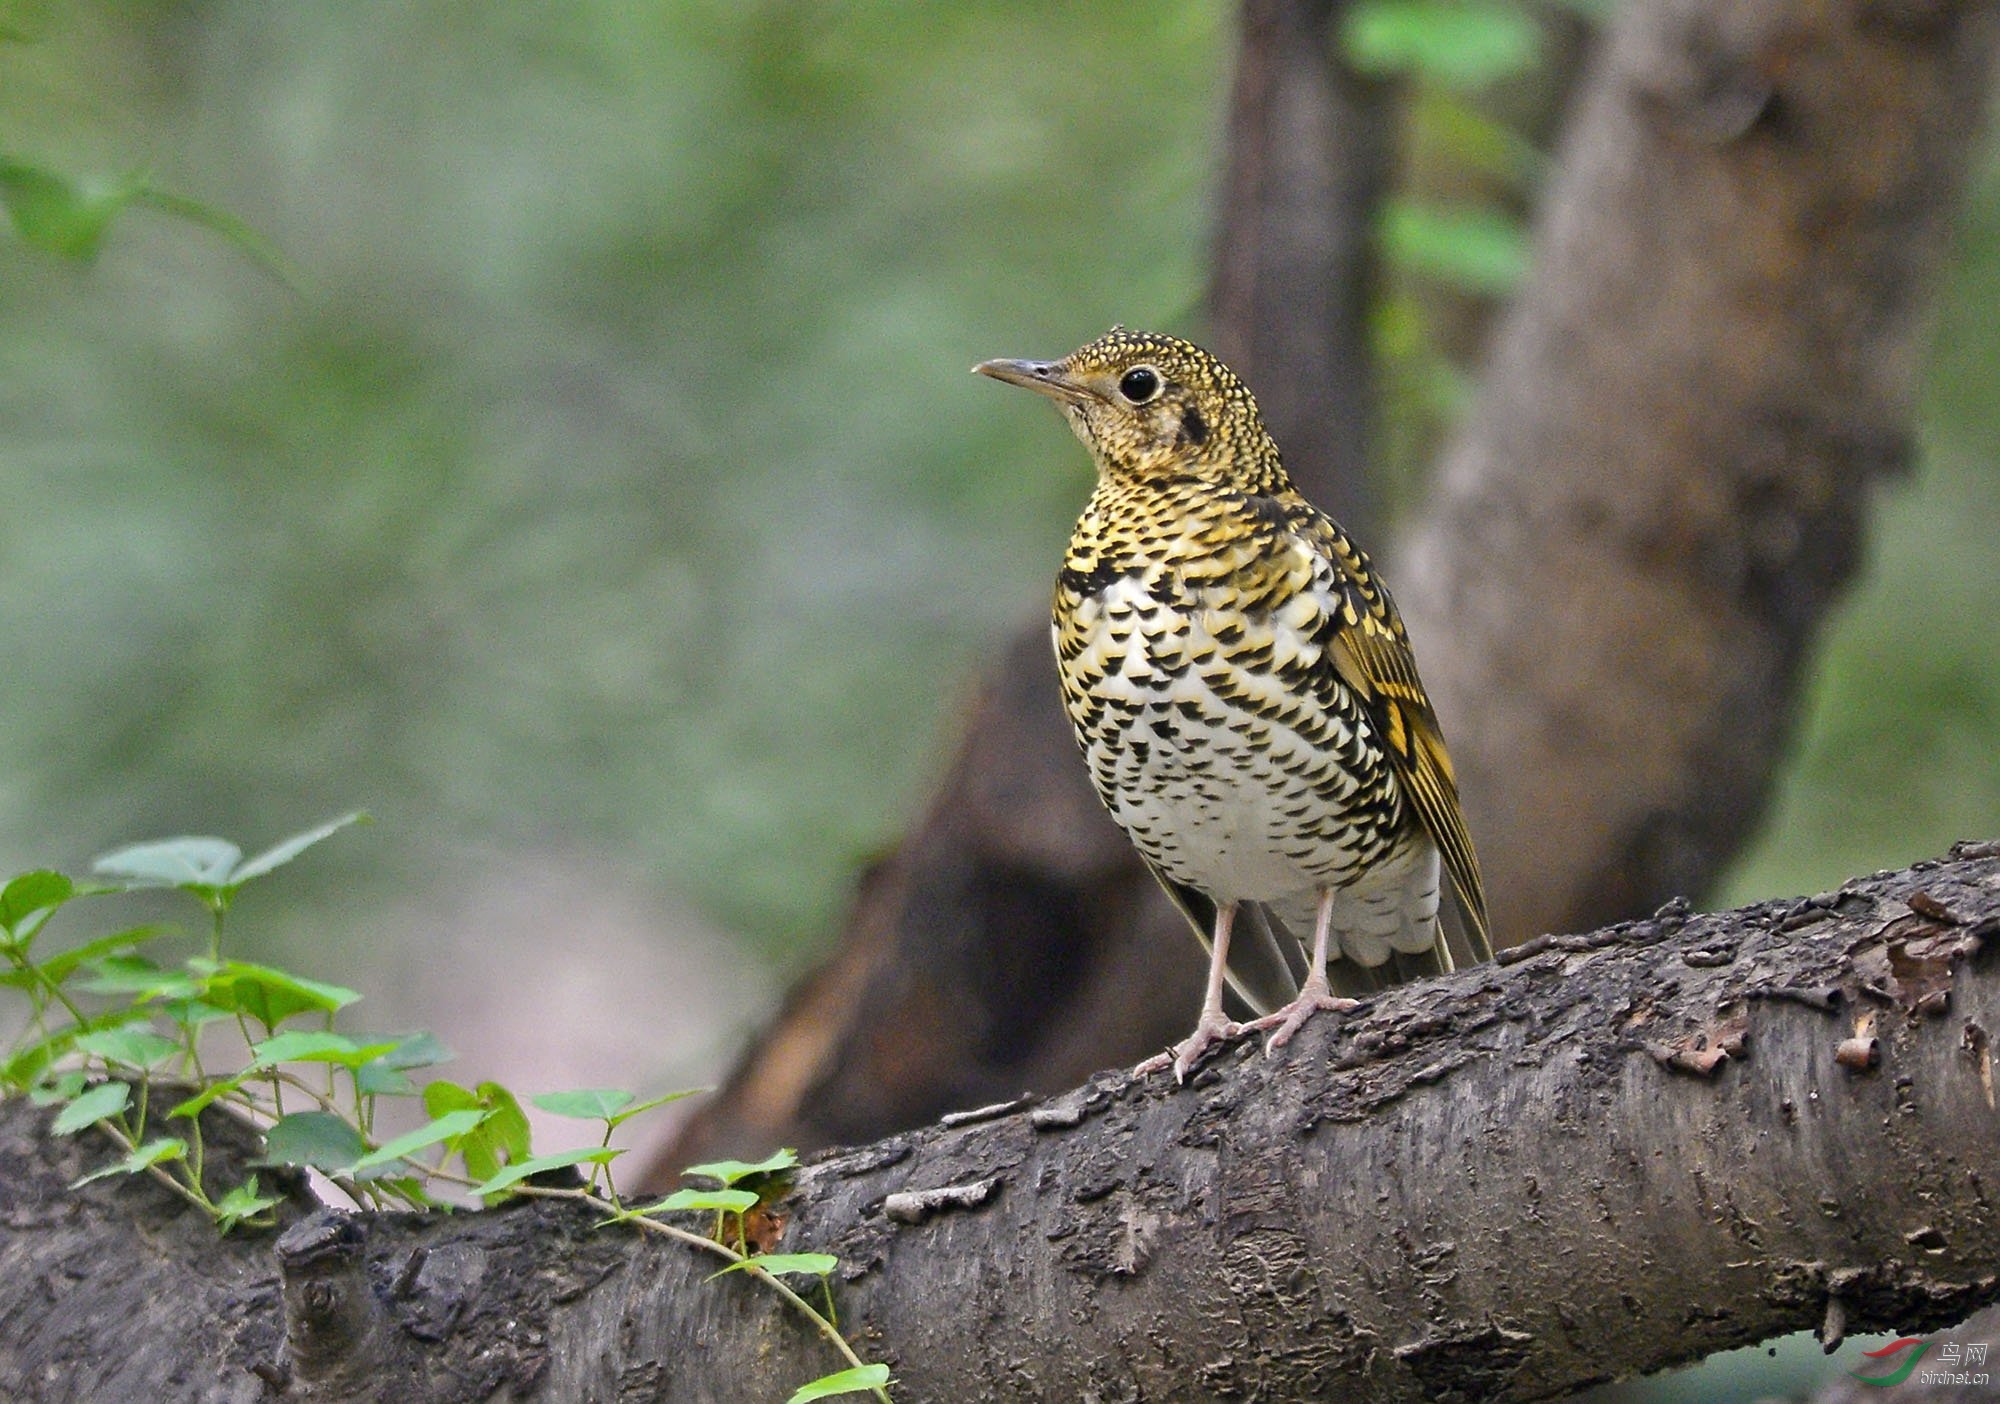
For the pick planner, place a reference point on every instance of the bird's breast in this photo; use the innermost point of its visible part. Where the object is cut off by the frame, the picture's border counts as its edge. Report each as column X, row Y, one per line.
column 1213, row 729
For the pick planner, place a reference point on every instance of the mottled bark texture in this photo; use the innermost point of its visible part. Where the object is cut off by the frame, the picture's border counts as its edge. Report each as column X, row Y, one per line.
column 1629, row 551
column 1611, row 592
column 1606, row 1153
column 1014, row 940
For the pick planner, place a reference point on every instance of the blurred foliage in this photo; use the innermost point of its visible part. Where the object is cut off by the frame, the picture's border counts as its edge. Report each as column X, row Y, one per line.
column 614, row 482
column 1479, row 83
column 618, row 481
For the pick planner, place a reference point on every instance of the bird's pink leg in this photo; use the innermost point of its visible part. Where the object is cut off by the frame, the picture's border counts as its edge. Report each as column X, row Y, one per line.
column 1315, row 994
column 1213, row 1025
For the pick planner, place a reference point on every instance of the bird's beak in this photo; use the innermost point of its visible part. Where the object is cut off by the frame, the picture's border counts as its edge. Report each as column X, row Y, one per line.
column 1043, row 377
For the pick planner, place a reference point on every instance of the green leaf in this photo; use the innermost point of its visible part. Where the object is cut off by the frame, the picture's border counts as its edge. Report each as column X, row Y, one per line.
column 376, row 1079
column 314, row 1046
column 248, row 240
column 514, row 1174
column 221, row 1087
column 58, row 967
column 444, row 1128
column 270, row 996
column 313, row 1138
column 730, row 1171
column 384, row 1076
column 139, row 1158
column 40, row 891
column 192, row 862
column 61, row 215
column 242, row 1203
column 133, row 1047
column 139, row 978
column 586, row 1104
column 728, row 1201
column 1476, row 249
column 282, row 852
column 815, row 1264
column 66, row 1088
column 192, row 1013
column 417, row 1050
column 1458, row 43
column 854, row 1380
column 502, row 1137
column 26, row 1065
column 660, row 1101
column 105, row 1099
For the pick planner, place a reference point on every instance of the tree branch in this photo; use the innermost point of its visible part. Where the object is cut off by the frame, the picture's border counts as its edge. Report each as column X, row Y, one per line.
column 1609, row 1153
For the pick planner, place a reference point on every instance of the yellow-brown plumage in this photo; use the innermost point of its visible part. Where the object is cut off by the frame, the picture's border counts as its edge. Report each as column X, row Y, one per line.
column 1243, row 690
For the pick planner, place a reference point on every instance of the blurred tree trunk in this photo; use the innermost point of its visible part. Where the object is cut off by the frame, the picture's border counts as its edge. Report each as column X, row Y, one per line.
column 1612, row 589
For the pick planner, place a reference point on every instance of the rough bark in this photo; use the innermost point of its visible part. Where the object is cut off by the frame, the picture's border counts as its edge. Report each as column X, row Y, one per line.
column 1654, row 505
column 1014, row 940
column 1665, row 485
column 1607, row 1153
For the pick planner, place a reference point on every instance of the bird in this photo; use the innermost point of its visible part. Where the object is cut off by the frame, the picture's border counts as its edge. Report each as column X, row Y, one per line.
column 1246, row 700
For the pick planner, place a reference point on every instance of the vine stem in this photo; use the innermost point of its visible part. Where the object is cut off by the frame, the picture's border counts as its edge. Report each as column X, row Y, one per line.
column 721, row 1250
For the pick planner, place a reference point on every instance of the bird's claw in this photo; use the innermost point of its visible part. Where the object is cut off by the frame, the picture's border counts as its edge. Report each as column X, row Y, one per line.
column 1292, row 1017
column 1182, row 1057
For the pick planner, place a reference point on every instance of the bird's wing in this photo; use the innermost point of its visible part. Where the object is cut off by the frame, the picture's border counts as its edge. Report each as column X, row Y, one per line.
column 1371, row 653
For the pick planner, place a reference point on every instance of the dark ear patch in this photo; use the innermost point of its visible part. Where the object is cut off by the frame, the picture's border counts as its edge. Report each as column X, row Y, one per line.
column 1194, row 428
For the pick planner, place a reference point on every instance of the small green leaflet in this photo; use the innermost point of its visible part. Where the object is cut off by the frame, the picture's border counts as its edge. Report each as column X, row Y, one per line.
column 135, row 1048
column 283, row 851
column 315, row 1046
column 727, row 1201
column 143, row 1158
column 190, row 861
column 849, row 1381
column 514, row 1174
column 315, row 1138
column 39, row 891
column 58, row 968
column 503, row 1137
column 269, row 996
column 730, row 1171
column 105, row 1099
column 138, row 977
column 204, row 864
column 812, row 1264
column 221, row 1087
column 585, row 1104
column 606, row 1104
column 446, row 1127
column 243, row 1202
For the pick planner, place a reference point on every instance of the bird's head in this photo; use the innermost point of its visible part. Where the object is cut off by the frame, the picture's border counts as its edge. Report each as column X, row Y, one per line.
column 1153, row 407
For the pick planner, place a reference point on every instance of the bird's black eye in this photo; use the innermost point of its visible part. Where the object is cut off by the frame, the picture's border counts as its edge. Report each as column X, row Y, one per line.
column 1139, row 384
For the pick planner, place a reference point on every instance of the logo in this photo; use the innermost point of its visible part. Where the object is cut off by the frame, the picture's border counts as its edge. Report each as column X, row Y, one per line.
column 1891, row 1355
column 1958, row 1364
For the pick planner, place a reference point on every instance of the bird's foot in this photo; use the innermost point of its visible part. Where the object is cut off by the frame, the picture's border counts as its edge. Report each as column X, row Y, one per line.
column 1214, row 1028
column 1315, row 996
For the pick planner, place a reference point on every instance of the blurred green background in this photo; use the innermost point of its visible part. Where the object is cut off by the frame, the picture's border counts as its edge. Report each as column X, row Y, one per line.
column 611, row 512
